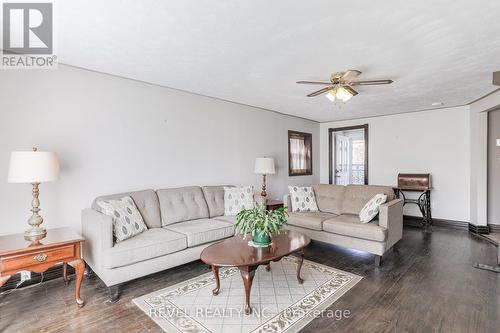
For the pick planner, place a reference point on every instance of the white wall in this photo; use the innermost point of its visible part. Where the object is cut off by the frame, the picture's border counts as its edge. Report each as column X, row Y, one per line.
column 116, row 135
column 434, row 141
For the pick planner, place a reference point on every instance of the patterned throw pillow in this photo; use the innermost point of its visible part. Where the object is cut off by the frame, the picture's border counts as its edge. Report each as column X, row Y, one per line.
column 127, row 220
column 372, row 207
column 237, row 198
column 303, row 199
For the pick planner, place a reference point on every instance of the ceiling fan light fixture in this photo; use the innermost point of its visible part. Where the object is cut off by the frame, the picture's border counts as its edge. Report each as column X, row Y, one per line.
column 339, row 93
column 343, row 94
column 331, row 96
column 340, row 87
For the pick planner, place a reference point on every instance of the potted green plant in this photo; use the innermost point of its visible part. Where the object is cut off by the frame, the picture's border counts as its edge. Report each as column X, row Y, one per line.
column 261, row 223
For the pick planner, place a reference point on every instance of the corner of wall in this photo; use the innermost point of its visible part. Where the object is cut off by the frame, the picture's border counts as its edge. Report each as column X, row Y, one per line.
column 479, row 157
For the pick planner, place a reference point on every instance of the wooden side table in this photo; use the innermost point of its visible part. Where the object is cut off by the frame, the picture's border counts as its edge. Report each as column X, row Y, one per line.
column 273, row 204
column 61, row 245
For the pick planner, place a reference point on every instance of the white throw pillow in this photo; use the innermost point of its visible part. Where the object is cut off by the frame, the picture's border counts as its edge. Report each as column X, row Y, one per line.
column 303, row 199
column 127, row 220
column 237, row 198
column 372, row 207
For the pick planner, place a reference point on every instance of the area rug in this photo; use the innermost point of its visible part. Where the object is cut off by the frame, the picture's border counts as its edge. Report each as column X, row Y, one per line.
column 279, row 302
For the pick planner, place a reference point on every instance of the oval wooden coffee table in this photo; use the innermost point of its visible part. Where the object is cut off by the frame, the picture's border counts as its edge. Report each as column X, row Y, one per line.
column 235, row 252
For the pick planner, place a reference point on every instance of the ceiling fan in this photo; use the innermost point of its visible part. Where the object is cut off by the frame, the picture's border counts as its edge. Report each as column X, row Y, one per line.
column 340, row 85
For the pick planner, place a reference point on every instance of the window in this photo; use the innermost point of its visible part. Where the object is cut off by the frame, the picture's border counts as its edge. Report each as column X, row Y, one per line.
column 299, row 153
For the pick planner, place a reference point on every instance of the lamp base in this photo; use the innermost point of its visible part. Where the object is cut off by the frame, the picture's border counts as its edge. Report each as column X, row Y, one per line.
column 263, row 193
column 35, row 233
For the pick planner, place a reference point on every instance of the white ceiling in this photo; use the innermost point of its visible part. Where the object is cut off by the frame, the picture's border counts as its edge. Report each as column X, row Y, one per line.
column 252, row 52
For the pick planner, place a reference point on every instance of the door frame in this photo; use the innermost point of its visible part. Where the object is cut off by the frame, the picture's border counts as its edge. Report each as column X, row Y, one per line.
column 331, row 156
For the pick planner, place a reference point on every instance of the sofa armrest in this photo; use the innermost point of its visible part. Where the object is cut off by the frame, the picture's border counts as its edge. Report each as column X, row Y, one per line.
column 391, row 218
column 97, row 229
column 287, row 201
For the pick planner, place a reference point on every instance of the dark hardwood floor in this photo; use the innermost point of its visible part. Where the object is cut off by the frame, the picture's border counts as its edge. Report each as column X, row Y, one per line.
column 429, row 285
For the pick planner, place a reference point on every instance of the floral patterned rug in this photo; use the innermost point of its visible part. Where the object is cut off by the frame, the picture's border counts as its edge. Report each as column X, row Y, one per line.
column 279, row 302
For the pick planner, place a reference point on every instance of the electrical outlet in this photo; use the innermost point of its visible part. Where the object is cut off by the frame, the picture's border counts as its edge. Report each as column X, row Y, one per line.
column 25, row 275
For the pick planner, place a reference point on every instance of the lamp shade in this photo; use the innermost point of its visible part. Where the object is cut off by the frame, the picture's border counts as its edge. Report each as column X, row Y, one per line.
column 264, row 165
column 33, row 167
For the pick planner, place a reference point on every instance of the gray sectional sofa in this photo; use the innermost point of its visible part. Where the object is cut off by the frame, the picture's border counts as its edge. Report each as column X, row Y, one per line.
column 337, row 221
column 181, row 223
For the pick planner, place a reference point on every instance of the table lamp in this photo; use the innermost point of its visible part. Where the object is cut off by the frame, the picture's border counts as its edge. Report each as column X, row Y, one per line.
column 33, row 167
column 264, row 166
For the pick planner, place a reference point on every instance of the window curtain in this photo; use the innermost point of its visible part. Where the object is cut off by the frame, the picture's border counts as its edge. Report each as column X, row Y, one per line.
column 298, row 151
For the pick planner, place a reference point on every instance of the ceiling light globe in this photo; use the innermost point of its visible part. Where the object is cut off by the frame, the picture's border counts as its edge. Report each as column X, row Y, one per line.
column 343, row 94
column 331, row 96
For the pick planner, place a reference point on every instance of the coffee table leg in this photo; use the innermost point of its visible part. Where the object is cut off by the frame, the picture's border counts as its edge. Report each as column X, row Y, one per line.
column 215, row 271
column 300, row 259
column 247, row 273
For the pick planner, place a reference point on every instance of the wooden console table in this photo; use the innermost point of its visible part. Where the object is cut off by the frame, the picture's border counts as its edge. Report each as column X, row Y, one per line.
column 61, row 245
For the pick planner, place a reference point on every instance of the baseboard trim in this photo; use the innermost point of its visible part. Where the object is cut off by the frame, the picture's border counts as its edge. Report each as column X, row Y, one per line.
column 479, row 229
column 494, row 227
column 50, row 274
column 416, row 221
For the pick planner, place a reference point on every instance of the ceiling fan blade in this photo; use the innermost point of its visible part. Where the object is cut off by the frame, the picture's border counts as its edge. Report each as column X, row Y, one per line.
column 313, row 82
column 350, row 75
column 352, row 91
column 319, row 92
column 370, row 82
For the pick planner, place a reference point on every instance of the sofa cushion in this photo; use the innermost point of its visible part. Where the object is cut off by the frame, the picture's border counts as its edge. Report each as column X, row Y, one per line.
column 150, row 244
column 214, row 196
column 356, row 196
column 203, row 230
column 146, row 201
column 226, row 218
column 329, row 197
column 349, row 225
column 309, row 220
column 182, row 204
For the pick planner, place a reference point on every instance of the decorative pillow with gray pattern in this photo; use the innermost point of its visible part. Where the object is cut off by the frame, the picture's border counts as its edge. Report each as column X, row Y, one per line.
column 372, row 207
column 237, row 198
column 303, row 199
column 127, row 220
